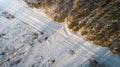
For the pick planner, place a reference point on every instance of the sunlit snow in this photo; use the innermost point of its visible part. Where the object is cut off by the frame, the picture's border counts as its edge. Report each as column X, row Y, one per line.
column 28, row 38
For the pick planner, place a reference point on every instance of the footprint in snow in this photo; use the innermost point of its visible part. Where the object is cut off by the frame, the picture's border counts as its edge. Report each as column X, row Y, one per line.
column 2, row 34
column 7, row 15
column 49, row 63
column 40, row 37
column 71, row 52
column 37, row 37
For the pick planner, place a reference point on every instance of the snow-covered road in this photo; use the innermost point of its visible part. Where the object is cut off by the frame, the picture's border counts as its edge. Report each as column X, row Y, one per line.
column 28, row 38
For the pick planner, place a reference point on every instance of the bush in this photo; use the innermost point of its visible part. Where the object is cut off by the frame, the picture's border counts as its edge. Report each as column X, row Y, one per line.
column 75, row 28
column 99, row 20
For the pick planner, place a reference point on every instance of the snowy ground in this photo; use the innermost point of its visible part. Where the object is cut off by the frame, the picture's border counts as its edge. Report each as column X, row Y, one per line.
column 29, row 39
